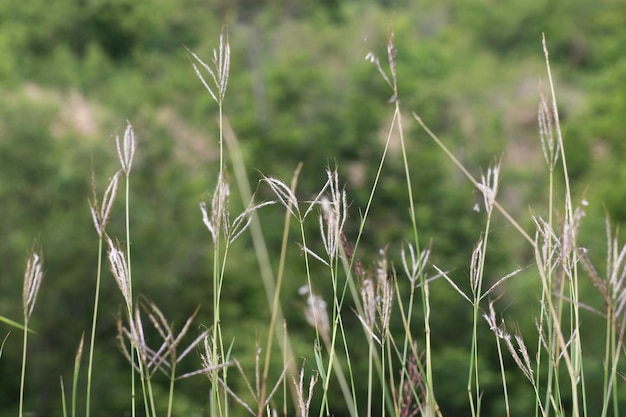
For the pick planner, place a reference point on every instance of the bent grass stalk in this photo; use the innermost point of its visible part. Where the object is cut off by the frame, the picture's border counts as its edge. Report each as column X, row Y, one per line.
column 261, row 251
column 100, row 217
column 575, row 368
column 219, row 73
column 396, row 123
column 275, row 301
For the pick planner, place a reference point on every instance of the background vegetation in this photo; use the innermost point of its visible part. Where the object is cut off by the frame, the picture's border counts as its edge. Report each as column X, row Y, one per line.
column 300, row 90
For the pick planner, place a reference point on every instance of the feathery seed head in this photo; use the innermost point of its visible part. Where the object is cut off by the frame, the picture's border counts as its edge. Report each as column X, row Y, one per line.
column 415, row 268
column 489, row 186
column 119, row 268
column 126, row 150
column 219, row 208
column 368, row 299
column 218, row 219
column 547, row 246
column 218, row 72
column 164, row 356
column 304, row 404
column 285, row 196
column 391, row 57
column 476, row 267
column 315, row 312
column 32, row 280
column 549, row 146
column 377, row 299
column 384, row 290
column 100, row 215
column 333, row 216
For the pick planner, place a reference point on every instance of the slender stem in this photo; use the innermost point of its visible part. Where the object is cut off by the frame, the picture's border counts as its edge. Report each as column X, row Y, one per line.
column 576, row 370
column 93, row 329
column 262, row 254
column 369, row 375
column 23, row 375
column 170, row 402
column 279, row 281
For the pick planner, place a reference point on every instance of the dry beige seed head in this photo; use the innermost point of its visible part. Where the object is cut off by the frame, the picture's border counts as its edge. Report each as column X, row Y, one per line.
column 119, row 268
column 489, row 186
column 415, row 268
column 368, row 299
column 520, row 355
column 100, row 215
column 615, row 281
column 304, row 404
column 391, row 57
column 285, row 195
column 126, row 150
column 315, row 312
column 32, row 280
column 235, row 228
column 377, row 299
column 549, row 146
column 220, row 70
column 333, row 216
column 218, row 219
column 548, row 246
column 476, row 267
column 384, row 289
column 164, row 356
column 219, row 208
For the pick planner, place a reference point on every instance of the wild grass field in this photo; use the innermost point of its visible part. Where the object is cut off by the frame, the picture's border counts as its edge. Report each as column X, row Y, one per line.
column 399, row 364
column 352, row 284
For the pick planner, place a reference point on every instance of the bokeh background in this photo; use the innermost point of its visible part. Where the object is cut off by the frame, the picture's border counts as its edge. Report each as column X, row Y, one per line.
column 300, row 90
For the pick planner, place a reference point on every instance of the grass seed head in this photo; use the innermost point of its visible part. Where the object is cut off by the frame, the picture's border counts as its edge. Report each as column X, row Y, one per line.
column 126, row 150
column 119, row 268
column 315, row 312
column 32, row 280
column 100, row 215
column 219, row 71
column 334, row 215
column 304, row 404
column 218, row 216
column 384, row 289
column 549, row 146
column 489, row 186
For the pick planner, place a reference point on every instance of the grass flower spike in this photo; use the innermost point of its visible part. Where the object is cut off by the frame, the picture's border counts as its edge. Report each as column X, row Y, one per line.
column 119, row 268
column 218, row 72
column 32, row 281
column 304, row 403
column 315, row 312
column 100, row 215
column 126, row 149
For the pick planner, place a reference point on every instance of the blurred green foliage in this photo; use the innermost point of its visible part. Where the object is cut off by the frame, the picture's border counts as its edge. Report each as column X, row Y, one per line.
column 300, row 90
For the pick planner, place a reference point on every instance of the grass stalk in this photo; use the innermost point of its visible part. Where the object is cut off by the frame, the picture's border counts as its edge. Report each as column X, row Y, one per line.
column 575, row 367
column 261, row 251
column 32, row 281
column 276, row 300
column 100, row 217
column 23, row 373
column 93, row 329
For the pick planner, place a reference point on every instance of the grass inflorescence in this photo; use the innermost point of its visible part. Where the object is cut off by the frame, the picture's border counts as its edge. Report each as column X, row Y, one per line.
column 400, row 360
